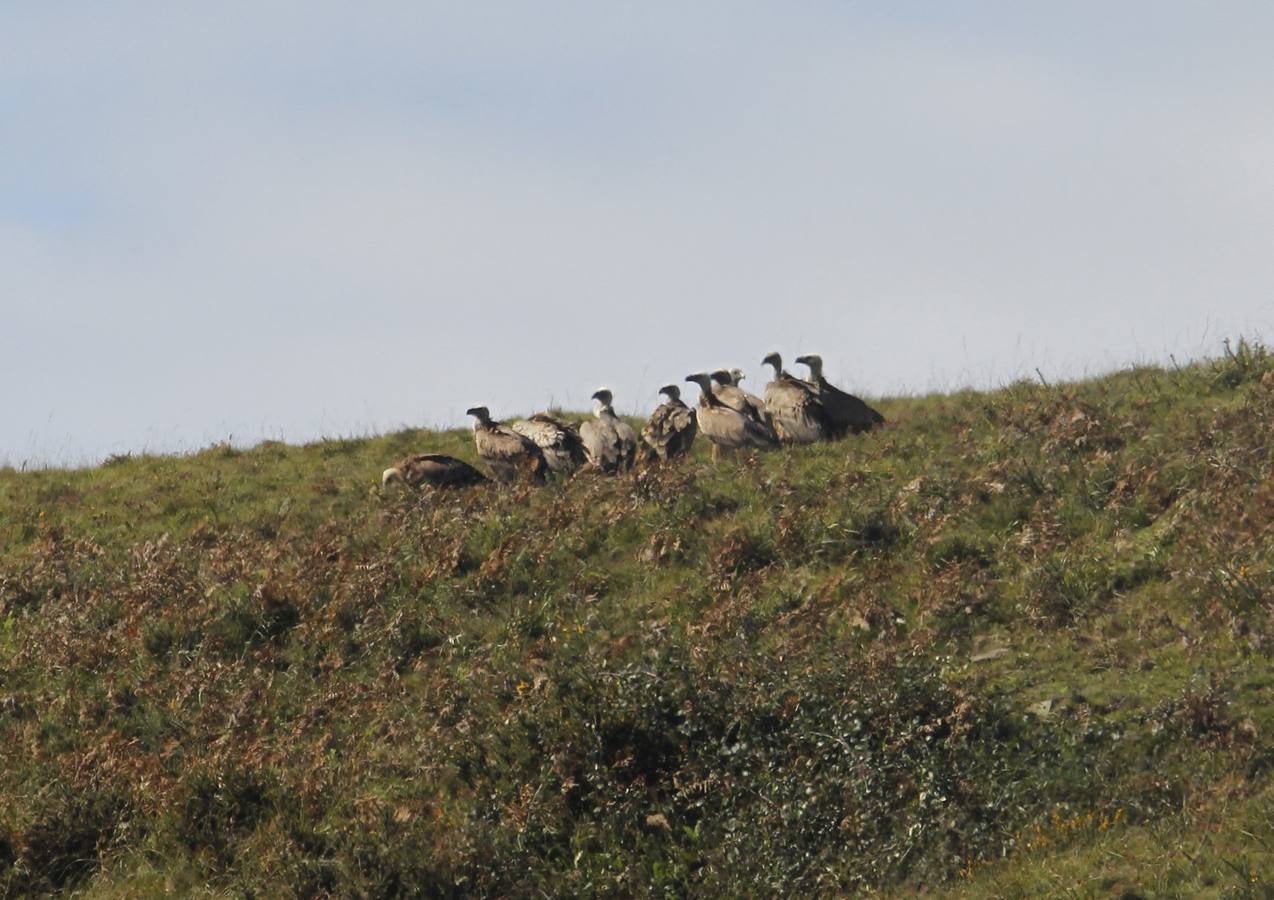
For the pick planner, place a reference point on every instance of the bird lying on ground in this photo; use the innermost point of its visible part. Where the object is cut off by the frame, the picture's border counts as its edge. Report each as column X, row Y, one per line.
column 435, row 469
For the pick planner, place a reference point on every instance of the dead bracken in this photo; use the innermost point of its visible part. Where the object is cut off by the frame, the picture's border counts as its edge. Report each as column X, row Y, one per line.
column 1010, row 639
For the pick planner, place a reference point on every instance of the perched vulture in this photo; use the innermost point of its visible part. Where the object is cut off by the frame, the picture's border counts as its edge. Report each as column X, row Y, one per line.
column 795, row 411
column 557, row 439
column 508, row 453
column 609, row 441
column 727, row 427
column 845, row 412
column 671, row 430
column 433, row 468
column 728, row 392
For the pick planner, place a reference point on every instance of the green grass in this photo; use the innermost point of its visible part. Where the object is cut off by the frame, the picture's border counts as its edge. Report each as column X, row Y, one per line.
column 1016, row 643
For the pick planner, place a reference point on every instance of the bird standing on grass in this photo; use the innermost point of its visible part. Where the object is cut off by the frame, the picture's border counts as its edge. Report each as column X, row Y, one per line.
column 795, row 411
column 670, row 432
column 736, row 378
column 727, row 427
column 508, row 453
column 557, row 439
column 609, row 441
column 845, row 412
column 728, row 392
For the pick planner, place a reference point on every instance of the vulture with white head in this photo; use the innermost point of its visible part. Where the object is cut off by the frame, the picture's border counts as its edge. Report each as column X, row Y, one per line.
column 727, row 390
column 670, row 432
column 795, row 411
column 557, row 439
column 508, row 453
column 727, row 427
column 435, row 469
column 609, row 441
column 845, row 412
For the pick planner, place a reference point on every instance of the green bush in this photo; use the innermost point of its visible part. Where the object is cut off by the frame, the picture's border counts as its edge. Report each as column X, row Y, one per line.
column 1244, row 362
column 961, row 547
column 666, row 778
column 215, row 807
column 1067, row 587
column 59, row 844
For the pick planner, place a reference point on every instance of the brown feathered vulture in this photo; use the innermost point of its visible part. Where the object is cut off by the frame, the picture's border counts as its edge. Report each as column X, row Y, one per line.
column 845, row 412
column 726, row 427
column 670, row 431
column 795, row 411
column 609, row 441
column 735, row 397
column 435, row 469
column 508, row 453
column 557, row 439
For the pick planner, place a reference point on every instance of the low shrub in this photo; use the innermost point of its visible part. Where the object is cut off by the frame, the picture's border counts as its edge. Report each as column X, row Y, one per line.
column 59, row 844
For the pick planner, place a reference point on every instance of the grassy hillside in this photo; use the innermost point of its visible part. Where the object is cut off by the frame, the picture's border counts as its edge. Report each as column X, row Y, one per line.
column 1015, row 643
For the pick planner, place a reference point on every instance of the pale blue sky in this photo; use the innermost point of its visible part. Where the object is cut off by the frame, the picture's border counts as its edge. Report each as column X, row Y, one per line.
column 299, row 219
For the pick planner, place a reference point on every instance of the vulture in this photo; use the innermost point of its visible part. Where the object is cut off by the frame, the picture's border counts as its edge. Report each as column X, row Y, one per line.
column 845, row 412
column 795, row 410
column 557, row 439
column 727, row 427
column 504, row 450
column 433, row 468
column 671, row 430
column 609, row 441
column 733, row 396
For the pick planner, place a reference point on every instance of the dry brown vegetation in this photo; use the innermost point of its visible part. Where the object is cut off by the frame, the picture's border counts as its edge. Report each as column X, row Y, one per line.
column 1019, row 625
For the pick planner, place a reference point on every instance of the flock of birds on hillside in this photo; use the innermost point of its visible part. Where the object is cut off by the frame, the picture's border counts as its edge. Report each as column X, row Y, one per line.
column 793, row 411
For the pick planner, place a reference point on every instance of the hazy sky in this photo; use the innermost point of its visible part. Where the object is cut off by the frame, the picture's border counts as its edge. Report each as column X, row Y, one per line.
column 295, row 219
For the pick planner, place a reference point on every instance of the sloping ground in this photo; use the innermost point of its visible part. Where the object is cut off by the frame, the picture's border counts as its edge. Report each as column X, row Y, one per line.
column 1014, row 643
